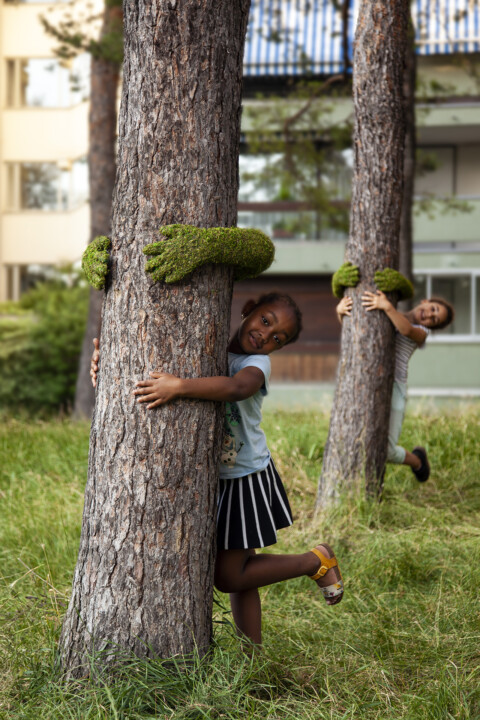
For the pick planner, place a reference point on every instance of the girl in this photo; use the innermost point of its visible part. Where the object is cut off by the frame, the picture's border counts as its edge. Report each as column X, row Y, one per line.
column 412, row 329
column 252, row 502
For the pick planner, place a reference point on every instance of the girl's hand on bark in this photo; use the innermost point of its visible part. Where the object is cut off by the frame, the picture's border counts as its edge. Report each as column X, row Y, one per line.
column 375, row 301
column 94, row 362
column 344, row 307
column 163, row 388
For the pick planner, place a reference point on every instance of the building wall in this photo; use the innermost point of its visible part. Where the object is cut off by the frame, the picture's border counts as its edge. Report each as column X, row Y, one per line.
column 34, row 139
column 44, row 217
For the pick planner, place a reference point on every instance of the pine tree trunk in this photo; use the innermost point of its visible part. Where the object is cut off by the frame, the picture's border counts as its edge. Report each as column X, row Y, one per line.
column 355, row 452
column 144, row 575
column 406, row 223
column 102, row 168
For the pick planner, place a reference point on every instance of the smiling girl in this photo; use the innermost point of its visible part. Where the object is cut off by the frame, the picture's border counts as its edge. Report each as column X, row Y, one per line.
column 412, row 329
column 253, row 503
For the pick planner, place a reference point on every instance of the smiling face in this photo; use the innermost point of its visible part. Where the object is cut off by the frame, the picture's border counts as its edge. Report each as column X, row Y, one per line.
column 266, row 328
column 429, row 314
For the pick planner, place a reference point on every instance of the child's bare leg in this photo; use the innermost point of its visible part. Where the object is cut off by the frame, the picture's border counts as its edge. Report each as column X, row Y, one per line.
column 412, row 461
column 418, row 461
column 247, row 614
column 240, row 570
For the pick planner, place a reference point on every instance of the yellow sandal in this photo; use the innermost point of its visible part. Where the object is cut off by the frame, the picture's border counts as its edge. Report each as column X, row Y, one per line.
column 330, row 592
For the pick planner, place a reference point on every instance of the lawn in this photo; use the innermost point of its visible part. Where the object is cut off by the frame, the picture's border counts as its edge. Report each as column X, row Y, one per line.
column 402, row 645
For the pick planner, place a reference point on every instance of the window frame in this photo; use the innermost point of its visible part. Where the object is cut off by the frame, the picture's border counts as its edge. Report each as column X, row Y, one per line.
column 12, row 199
column 474, row 275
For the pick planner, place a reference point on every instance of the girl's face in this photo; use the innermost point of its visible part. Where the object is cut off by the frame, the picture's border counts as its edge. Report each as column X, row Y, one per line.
column 267, row 328
column 430, row 314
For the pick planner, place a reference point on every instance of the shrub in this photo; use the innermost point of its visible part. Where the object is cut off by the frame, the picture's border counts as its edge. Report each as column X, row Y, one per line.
column 40, row 342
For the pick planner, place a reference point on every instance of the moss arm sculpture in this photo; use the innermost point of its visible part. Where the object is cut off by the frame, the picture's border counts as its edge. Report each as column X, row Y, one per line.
column 388, row 280
column 186, row 247
column 347, row 275
column 95, row 261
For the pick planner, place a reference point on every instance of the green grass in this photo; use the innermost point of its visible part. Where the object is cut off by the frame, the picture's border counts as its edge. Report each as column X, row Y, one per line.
column 402, row 645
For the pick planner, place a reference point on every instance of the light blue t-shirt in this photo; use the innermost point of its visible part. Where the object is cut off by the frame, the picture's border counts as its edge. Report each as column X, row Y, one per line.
column 244, row 449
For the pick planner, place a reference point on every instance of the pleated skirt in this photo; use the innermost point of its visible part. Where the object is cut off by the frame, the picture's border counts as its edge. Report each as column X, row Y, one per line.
column 251, row 509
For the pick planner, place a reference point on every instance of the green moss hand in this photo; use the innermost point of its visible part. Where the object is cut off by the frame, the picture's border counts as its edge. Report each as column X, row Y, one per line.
column 390, row 280
column 347, row 275
column 186, row 247
column 95, row 261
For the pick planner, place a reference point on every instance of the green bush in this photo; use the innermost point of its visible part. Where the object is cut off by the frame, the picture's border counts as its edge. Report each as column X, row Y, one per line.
column 40, row 342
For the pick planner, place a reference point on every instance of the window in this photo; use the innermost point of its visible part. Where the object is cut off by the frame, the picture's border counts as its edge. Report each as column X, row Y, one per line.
column 47, row 186
column 304, row 197
column 47, row 83
column 435, row 172
column 462, row 289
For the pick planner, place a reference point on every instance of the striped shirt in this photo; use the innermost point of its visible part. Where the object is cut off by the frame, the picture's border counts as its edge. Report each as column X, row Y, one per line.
column 404, row 349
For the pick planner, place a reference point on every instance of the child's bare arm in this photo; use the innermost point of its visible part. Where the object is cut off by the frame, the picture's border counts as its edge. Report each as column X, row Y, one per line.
column 379, row 301
column 162, row 388
column 343, row 308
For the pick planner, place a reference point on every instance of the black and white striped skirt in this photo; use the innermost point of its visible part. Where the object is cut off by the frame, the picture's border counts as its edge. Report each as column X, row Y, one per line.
column 251, row 509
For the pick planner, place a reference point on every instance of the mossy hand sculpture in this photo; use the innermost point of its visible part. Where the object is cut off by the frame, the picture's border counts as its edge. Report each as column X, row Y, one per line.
column 186, row 247
column 95, row 261
column 388, row 280
column 347, row 275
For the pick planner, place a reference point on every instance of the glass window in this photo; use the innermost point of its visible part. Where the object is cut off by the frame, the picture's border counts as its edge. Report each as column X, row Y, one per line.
column 420, row 287
column 435, row 171
column 39, row 183
column 47, row 82
column 47, row 186
column 461, row 290
column 457, row 290
column 260, row 177
column 79, row 182
column 43, row 83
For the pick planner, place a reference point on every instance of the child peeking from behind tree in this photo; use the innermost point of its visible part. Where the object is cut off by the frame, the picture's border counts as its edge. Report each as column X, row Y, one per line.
column 411, row 331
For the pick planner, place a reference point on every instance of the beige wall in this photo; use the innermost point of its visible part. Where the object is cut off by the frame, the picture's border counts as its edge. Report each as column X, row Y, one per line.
column 44, row 237
column 33, row 134
column 45, row 134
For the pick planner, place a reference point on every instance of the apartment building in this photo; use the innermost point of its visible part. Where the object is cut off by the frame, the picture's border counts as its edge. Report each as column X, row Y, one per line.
column 44, row 218
column 289, row 40
column 43, row 150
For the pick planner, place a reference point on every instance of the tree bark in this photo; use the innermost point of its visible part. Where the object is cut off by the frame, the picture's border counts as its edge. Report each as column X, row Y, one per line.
column 102, row 167
column 355, row 452
column 406, row 222
column 144, row 575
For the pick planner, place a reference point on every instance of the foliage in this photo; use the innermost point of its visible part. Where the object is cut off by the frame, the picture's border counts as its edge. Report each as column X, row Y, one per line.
column 76, row 31
column 402, row 645
column 40, row 339
column 303, row 143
